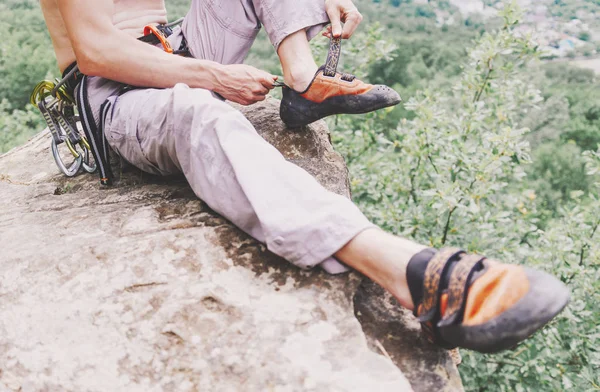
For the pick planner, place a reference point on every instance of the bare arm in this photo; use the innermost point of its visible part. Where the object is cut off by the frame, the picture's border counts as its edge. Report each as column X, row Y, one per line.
column 103, row 50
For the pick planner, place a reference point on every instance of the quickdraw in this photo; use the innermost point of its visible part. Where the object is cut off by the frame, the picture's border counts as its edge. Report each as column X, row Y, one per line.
column 58, row 108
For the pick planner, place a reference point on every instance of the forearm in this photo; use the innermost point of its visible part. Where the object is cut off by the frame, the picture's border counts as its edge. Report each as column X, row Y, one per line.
column 103, row 50
column 122, row 58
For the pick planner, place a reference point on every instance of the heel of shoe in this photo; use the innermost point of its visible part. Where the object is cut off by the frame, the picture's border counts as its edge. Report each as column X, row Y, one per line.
column 293, row 117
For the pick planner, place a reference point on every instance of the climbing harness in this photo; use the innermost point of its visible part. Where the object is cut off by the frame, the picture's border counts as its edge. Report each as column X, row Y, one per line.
column 70, row 118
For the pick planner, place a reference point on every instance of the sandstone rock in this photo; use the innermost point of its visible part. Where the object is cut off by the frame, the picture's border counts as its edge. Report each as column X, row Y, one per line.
column 141, row 287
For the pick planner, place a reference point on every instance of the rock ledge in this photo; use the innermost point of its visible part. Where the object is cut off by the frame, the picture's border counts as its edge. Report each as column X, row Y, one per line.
column 141, row 287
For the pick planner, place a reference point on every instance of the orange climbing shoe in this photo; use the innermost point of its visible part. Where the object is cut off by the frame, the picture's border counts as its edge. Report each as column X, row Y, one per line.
column 331, row 92
column 472, row 302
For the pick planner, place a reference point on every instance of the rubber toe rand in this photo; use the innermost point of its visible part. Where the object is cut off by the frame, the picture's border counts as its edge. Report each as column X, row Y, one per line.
column 297, row 110
column 546, row 298
column 483, row 305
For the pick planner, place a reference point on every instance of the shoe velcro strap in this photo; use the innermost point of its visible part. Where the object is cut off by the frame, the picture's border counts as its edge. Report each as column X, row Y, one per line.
column 437, row 267
column 458, row 288
column 333, row 57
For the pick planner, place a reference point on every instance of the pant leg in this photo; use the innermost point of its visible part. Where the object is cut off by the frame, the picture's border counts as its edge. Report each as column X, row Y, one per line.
column 235, row 171
column 284, row 17
column 224, row 30
column 221, row 31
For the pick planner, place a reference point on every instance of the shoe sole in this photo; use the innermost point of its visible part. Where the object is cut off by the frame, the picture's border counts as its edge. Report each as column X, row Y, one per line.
column 297, row 111
column 546, row 298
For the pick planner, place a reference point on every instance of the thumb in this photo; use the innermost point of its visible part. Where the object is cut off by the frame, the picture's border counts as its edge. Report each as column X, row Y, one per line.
column 336, row 23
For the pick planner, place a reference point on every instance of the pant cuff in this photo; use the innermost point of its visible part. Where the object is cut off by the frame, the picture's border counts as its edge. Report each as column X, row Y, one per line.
column 321, row 254
column 312, row 25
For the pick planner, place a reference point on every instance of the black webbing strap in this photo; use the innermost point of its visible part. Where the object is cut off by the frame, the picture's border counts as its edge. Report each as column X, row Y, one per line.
column 333, row 57
column 428, row 311
column 71, row 77
column 94, row 135
column 458, row 288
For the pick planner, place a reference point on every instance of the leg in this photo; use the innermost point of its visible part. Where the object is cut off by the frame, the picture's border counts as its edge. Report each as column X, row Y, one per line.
column 223, row 155
column 224, row 32
column 462, row 300
column 313, row 93
column 221, row 31
column 291, row 25
column 235, row 171
column 383, row 258
column 297, row 61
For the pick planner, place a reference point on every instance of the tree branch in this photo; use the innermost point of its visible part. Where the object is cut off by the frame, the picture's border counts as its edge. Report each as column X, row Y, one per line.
column 447, row 228
column 412, row 182
column 485, row 81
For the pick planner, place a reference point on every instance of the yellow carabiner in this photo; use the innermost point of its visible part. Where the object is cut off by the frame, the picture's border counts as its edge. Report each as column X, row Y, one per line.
column 84, row 143
column 72, row 148
column 41, row 91
column 45, row 88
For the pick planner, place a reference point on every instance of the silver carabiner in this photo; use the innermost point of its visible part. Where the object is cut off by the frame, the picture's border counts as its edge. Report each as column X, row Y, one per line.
column 73, row 168
column 88, row 166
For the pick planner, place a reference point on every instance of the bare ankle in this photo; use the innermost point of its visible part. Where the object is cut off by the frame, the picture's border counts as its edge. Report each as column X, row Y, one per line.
column 383, row 258
column 299, row 79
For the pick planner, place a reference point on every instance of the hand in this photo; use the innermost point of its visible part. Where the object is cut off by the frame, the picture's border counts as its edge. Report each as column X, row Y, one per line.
column 244, row 84
column 342, row 11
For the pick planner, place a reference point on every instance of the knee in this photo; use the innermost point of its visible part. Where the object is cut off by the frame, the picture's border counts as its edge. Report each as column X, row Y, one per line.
column 199, row 114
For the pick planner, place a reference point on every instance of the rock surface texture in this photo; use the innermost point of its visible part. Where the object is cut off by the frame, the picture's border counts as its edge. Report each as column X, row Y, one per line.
column 141, row 287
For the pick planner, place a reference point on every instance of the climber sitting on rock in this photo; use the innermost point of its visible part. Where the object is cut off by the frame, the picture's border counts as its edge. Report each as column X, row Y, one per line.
column 179, row 123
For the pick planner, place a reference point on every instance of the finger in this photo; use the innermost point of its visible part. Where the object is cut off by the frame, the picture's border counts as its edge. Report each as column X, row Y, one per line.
column 352, row 20
column 336, row 23
column 258, row 98
column 241, row 101
column 262, row 90
column 327, row 32
column 268, row 81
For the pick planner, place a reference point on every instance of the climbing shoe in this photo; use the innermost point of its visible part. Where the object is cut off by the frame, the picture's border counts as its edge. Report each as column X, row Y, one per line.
column 468, row 301
column 331, row 92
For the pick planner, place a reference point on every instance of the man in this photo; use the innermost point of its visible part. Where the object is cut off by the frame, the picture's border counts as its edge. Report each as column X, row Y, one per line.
column 179, row 123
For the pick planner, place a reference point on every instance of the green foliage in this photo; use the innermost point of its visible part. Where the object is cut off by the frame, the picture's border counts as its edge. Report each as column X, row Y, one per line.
column 558, row 170
column 457, row 174
column 26, row 57
column 16, row 126
column 177, row 8
column 26, row 54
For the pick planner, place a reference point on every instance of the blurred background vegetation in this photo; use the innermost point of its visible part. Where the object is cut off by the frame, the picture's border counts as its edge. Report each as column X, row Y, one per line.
column 496, row 149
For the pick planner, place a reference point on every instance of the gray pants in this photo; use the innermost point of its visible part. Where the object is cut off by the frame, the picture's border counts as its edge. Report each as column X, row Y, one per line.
column 228, row 165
